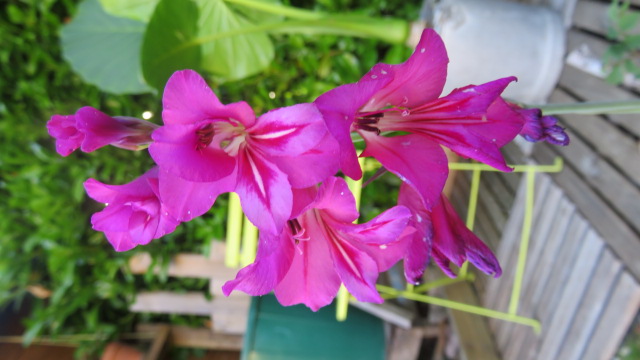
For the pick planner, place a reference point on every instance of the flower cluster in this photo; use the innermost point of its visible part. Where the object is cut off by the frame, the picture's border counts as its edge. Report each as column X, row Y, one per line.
column 283, row 163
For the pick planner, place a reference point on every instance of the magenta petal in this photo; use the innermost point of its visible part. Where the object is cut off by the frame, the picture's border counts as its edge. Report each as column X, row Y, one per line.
column 121, row 241
column 303, row 200
column 186, row 200
column 288, row 131
column 313, row 166
column 106, row 193
column 357, row 270
column 264, row 192
column 382, row 229
column 175, row 150
column 474, row 249
column 187, row 99
column 311, row 279
column 336, row 200
column 112, row 218
column 273, row 260
column 63, row 129
column 419, row 248
column 99, row 128
column 408, row 156
column 339, row 107
column 419, row 79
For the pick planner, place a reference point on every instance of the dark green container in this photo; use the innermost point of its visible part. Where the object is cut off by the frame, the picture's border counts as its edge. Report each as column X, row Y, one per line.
column 275, row 332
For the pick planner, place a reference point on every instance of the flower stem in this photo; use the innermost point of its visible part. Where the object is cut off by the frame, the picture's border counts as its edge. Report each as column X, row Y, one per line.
column 591, row 108
column 279, row 9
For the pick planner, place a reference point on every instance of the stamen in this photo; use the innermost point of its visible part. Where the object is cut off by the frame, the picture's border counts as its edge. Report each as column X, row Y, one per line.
column 368, row 122
column 205, row 136
column 297, row 231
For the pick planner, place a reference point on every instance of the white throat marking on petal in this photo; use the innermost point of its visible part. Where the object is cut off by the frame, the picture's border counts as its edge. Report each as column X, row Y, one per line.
column 274, row 135
column 257, row 176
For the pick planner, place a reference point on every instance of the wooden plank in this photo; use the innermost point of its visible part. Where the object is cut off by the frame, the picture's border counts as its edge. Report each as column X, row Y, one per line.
column 561, row 269
column 590, row 310
column 572, row 294
column 203, row 338
column 604, row 179
column 498, row 287
column 184, row 265
column 621, row 309
column 166, row 302
column 592, row 15
column 230, row 314
column 622, row 239
column 405, row 344
column 590, row 88
column 532, row 291
column 617, row 147
column 538, row 241
column 473, row 330
column 558, row 226
column 389, row 312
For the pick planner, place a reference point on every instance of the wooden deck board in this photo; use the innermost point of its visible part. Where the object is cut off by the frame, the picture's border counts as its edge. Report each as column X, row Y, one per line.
column 590, row 88
column 619, row 313
column 573, row 290
column 598, row 135
column 592, row 306
column 616, row 232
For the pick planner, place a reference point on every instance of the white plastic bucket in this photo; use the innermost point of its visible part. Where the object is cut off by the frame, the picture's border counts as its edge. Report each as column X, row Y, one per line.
column 490, row 39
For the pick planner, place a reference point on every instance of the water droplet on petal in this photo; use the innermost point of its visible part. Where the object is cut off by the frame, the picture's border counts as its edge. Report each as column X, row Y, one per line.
column 422, row 50
column 374, row 76
column 405, row 100
column 188, row 212
column 341, row 192
column 383, row 72
column 166, row 214
column 405, row 113
column 382, row 247
column 419, row 218
column 494, row 140
column 424, row 239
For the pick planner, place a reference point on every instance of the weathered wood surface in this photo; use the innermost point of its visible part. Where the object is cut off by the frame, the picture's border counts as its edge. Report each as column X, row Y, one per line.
column 203, row 338
column 622, row 239
column 476, row 341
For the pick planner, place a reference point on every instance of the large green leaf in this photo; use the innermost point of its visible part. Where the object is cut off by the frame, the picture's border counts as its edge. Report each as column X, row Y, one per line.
column 104, row 49
column 133, row 9
column 168, row 42
column 234, row 57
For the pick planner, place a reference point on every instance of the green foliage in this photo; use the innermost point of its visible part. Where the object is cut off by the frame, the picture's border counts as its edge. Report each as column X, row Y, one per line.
column 226, row 39
column 165, row 48
column 105, row 50
column 624, row 55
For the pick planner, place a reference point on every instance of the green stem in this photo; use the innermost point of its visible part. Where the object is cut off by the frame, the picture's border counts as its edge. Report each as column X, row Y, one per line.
column 591, row 108
column 395, row 33
column 279, row 9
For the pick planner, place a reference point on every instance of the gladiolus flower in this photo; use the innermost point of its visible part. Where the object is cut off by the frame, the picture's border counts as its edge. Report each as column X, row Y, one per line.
column 442, row 235
column 398, row 111
column 90, row 129
column 262, row 159
column 322, row 248
column 134, row 214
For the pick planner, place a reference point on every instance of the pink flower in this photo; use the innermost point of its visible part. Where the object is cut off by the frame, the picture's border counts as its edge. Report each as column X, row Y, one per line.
column 134, row 214
column 398, row 110
column 322, row 248
column 441, row 234
column 90, row 129
column 541, row 128
column 227, row 148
